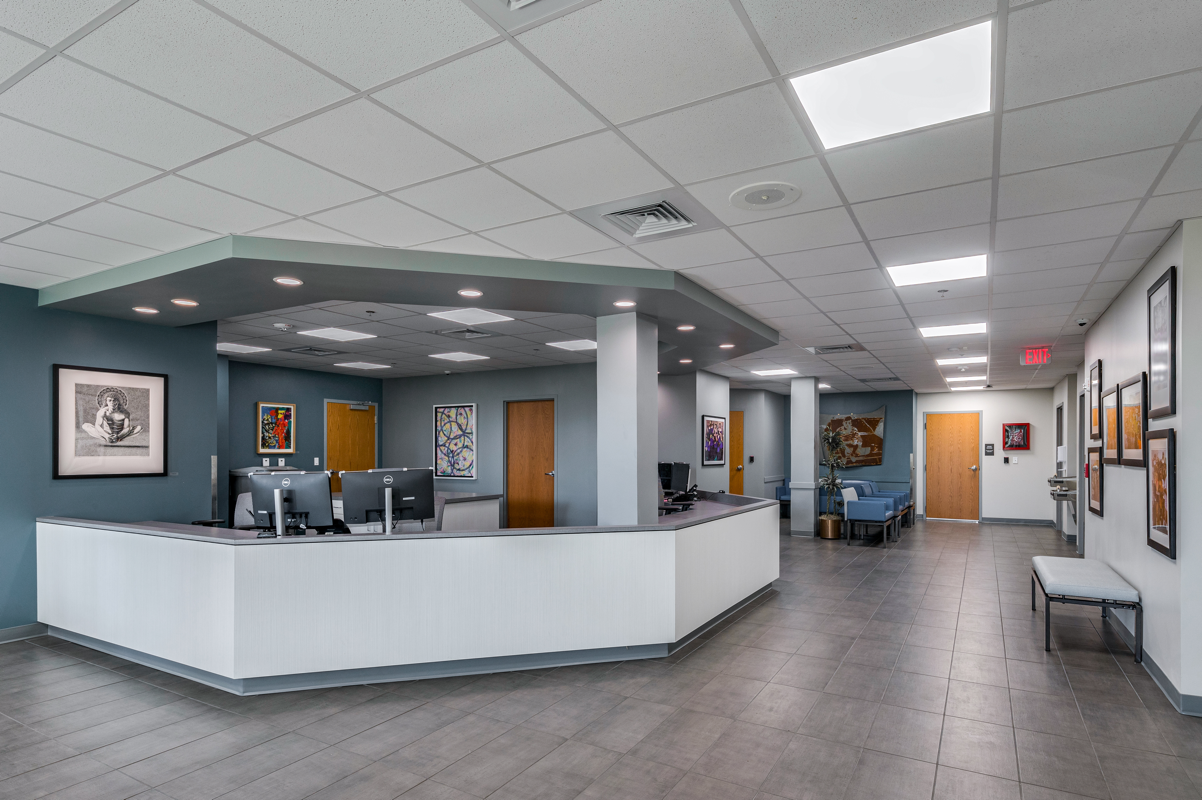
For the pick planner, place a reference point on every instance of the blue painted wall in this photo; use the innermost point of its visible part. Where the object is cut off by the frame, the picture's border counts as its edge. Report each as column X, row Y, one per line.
column 33, row 340
column 894, row 470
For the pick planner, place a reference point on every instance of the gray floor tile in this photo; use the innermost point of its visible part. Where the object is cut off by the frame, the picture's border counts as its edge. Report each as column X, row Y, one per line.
column 919, row 692
column 1090, row 686
column 840, row 719
column 934, row 638
column 437, row 751
column 1123, row 726
column 625, row 725
column 979, row 669
column 805, row 672
column 873, row 653
column 635, row 779
column 979, row 701
column 112, row 786
column 744, row 754
column 433, row 790
column 955, row 784
column 491, row 766
column 1059, row 763
column 783, row 640
column 302, row 778
column 1041, row 678
column 572, row 766
column 681, row 739
column 228, row 774
column 533, row 698
column 51, row 778
column 1139, row 775
column 756, row 664
column 376, row 781
column 180, row 761
column 906, row 732
column 925, row 661
column 675, row 688
column 812, row 769
column 880, row 775
column 780, row 706
column 393, row 734
column 979, row 747
column 725, row 696
column 1056, row 714
column 827, row 646
column 860, row 682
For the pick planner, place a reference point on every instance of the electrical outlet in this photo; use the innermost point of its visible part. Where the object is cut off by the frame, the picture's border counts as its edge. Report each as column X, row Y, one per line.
column 281, row 462
column 317, row 462
column 267, row 462
column 1013, row 459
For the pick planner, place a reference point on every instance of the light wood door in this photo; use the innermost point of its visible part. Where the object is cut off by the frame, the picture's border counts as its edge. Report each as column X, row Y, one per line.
column 952, row 466
column 736, row 452
column 350, row 439
column 530, row 464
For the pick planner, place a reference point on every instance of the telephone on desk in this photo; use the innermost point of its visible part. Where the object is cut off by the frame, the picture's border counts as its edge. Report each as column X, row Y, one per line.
column 681, row 501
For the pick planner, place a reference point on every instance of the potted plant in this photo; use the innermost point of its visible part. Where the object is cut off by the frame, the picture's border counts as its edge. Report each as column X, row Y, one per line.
column 830, row 522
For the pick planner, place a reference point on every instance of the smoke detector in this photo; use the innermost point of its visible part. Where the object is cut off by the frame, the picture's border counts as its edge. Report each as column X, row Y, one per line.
column 650, row 220
column 764, row 196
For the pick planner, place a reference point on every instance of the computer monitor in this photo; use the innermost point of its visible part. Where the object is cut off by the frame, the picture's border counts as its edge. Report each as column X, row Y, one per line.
column 306, row 496
column 665, row 474
column 363, row 495
column 675, row 476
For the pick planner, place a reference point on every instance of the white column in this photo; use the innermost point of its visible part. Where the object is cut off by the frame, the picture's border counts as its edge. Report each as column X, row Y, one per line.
column 804, row 451
column 627, row 420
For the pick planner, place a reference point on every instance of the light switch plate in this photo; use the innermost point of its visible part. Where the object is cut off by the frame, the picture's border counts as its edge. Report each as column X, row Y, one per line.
column 267, row 462
column 316, row 462
column 281, row 462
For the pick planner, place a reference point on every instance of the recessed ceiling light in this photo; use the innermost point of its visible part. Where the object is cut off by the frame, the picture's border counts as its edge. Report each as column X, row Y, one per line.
column 146, row 310
column 770, row 372
column 337, row 334
column 824, row 386
column 967, row 388
column 470, row 293
column 575, row 344
column 726, row 346
column 362, row 365
column 935, row 80
column 471, row 316
column 686, row 328
column 624, row 303
column 185, row 303
column 282, row 281
column 459, row 356
column 950, row 269
column 231, row 347
column 686, row 361
column 951, row 362
column 953, row 330
column 961, row 379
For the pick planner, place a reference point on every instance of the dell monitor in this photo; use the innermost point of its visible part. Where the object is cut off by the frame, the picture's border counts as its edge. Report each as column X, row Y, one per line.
column 364, row 495
column 305, row 497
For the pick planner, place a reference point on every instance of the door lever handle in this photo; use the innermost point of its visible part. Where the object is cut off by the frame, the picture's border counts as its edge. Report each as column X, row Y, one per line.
column 551, row 473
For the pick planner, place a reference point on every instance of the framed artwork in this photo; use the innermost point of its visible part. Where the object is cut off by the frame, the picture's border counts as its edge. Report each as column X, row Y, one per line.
column 1162, row 346
column 1095, row 400
column 1016, row 436
column 277, row 428
column 1094, row 464
column 1162, row 491
column 1134, row 414
column 109, row 423
column 713, row 441
column 1112, row 426
column 455, row 441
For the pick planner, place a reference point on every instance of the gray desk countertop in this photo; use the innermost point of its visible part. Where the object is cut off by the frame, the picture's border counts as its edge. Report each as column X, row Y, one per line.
column 453, row 497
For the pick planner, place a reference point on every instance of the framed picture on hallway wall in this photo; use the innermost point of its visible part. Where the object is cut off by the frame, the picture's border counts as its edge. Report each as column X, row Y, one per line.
column 1016, row 436
column 1112, row 426
column 1093, row 461
column 455, row 441
column 109, row 423
column 1095, row 399
column 276, row 424
column 1162, row 491
column 713, row 441
column 1162, row 346
column 1133, row 409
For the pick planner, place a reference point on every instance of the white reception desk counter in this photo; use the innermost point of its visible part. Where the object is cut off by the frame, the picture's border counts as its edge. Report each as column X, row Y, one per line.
column 253, row 615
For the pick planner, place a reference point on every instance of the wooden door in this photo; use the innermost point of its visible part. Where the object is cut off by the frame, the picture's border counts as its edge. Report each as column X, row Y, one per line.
column 952, row 466
column 350, row 439
column 736, row 452
column 530, row 464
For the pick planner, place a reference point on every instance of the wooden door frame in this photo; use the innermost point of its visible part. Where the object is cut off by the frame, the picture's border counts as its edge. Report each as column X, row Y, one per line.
column 926, row 486
column 325, row 429
column 505, row 401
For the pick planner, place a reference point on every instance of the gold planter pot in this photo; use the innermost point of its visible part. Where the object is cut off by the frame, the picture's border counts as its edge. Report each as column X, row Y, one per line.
column 830, row 527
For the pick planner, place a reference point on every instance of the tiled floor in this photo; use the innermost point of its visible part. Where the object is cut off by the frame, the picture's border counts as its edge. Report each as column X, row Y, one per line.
column 917, row 673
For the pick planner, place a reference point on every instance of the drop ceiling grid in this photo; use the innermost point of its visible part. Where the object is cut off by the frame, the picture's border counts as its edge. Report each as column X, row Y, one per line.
column 37, row 263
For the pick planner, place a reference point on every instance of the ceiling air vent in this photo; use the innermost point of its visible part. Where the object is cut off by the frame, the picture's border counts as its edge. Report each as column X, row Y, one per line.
column 880, row 380
column 834, row 348
column 650, row 220
column 314, row 351
column 466, row 334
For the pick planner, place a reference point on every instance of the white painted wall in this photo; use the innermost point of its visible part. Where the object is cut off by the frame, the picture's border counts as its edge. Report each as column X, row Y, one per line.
column 713, row 398
column 1008, row 491
column 763, row 438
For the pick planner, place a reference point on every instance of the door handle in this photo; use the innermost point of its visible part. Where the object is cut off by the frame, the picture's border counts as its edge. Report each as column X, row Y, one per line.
column 551, row 473
column 739, row 468
column 973, row 467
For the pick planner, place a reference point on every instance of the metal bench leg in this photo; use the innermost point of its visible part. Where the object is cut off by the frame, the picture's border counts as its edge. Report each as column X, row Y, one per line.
column 1103, row 612
column 1047, row 623
column 1139, row 635
column 1032, row 592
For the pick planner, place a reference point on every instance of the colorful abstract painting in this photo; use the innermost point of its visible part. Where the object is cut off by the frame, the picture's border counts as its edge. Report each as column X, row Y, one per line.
column 455, row 441
column 1134, row 418
column 713, row 441
column 1111, row 426
column 1016, row 436
column 863, row 436
column 1162, row 501
column 277, row 428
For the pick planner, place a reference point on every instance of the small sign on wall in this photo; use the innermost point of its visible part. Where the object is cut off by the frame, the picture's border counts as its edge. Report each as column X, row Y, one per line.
column 988, row 449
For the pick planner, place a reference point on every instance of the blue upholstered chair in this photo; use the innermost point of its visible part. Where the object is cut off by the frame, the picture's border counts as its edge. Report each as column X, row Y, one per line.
column 867, row 511
column 783, row 497
column 905, row 505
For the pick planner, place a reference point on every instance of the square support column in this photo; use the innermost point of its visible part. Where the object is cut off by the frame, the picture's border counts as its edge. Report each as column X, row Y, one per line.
column 627, row 420
column 804, row 450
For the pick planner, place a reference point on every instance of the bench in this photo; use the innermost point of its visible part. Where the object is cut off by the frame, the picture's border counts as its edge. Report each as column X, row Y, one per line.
column 1084, row 582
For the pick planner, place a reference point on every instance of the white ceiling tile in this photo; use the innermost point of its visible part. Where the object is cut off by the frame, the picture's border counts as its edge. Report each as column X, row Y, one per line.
column 35, row 200
column 10, row 224
column 551, row 237
column 65, row 242
column 186, row 53
column 105, row 219
column 28, row 279
column 1139, row 245
column 936, row 209
column 933, row 246
column 470, row 245
column 1092, row 306
column 371, row 145
column 305, row 231
column 49, row 23
column 823, row 261
column 1065, row 294
column 370, row 42
column 1101, row 124
column 201, row 206
column 695, row 250
column 806, row 174
column 1163, row 211
column 523, row 106
column 1185, row 174
column 759, row 293
column 1052, row 311
column 1053, row 256
column 585, row 172
column 734, row 133
column 955, row 153
column 951, row 290
column 799, row 232
column 385, row 221
column 630, row 58
column 616, row 257
column 477, row 200
column 841, row 283
column 266, row 175
column 14, row 54
column 806, row 33
column 736, row 273
column 874, row 326
column 1105, row 291
column 1063, row 226
column 1121, row 270
column 1045, row 279
column 1102, row 180
column 1074, row 46
column 857, row 300
column 77, row 102
column 780, row 308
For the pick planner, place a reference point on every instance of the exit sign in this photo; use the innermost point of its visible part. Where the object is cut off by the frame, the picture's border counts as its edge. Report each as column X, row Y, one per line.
column 1035, row 356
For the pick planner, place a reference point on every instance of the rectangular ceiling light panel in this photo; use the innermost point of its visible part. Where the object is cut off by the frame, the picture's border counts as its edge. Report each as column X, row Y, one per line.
column 767, row 373
column 951, row 269
column 936, row 80
column 575, row 344
column 967, row 388
column 962, row 379
column 953, row 330
column 337, row 334
column 955, row 362
column 459, row 356
column 362, row 365
column 471, row 316
column 230, row 347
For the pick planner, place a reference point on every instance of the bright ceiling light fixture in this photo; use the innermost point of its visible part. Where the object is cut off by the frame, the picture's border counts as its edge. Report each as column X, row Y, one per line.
column 686, row 328
column 624, row 303
column 337, row 334
column 574, row 344
column 459, row 356
column 471, row 316
column 951, row 269
column 686, row 361
column 470, row 293
column 726, row 346
column 185, row 303
column 231, row 347
column 767, row 373
column 967, row 388
column 936, row 80
column 963, row 378
column 952, row 330
column 146, row 310
column 362, row 365
column 954, row 362
column 824, row 386
column 284, row 281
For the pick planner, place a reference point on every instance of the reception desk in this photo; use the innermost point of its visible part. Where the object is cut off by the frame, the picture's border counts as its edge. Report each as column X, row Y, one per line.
column 253, row 615
column 462, row 511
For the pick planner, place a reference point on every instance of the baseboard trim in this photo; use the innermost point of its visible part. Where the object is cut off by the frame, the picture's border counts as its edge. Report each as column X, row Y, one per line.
column 1045, row 523
column 1187, row 704
column 19, row 632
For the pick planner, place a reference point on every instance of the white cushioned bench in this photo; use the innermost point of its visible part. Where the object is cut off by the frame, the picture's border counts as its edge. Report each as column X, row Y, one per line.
column 1084, row 582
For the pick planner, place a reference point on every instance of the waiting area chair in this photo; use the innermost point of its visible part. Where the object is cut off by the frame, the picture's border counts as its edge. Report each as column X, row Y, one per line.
column 783, row 497
column 861, row 513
